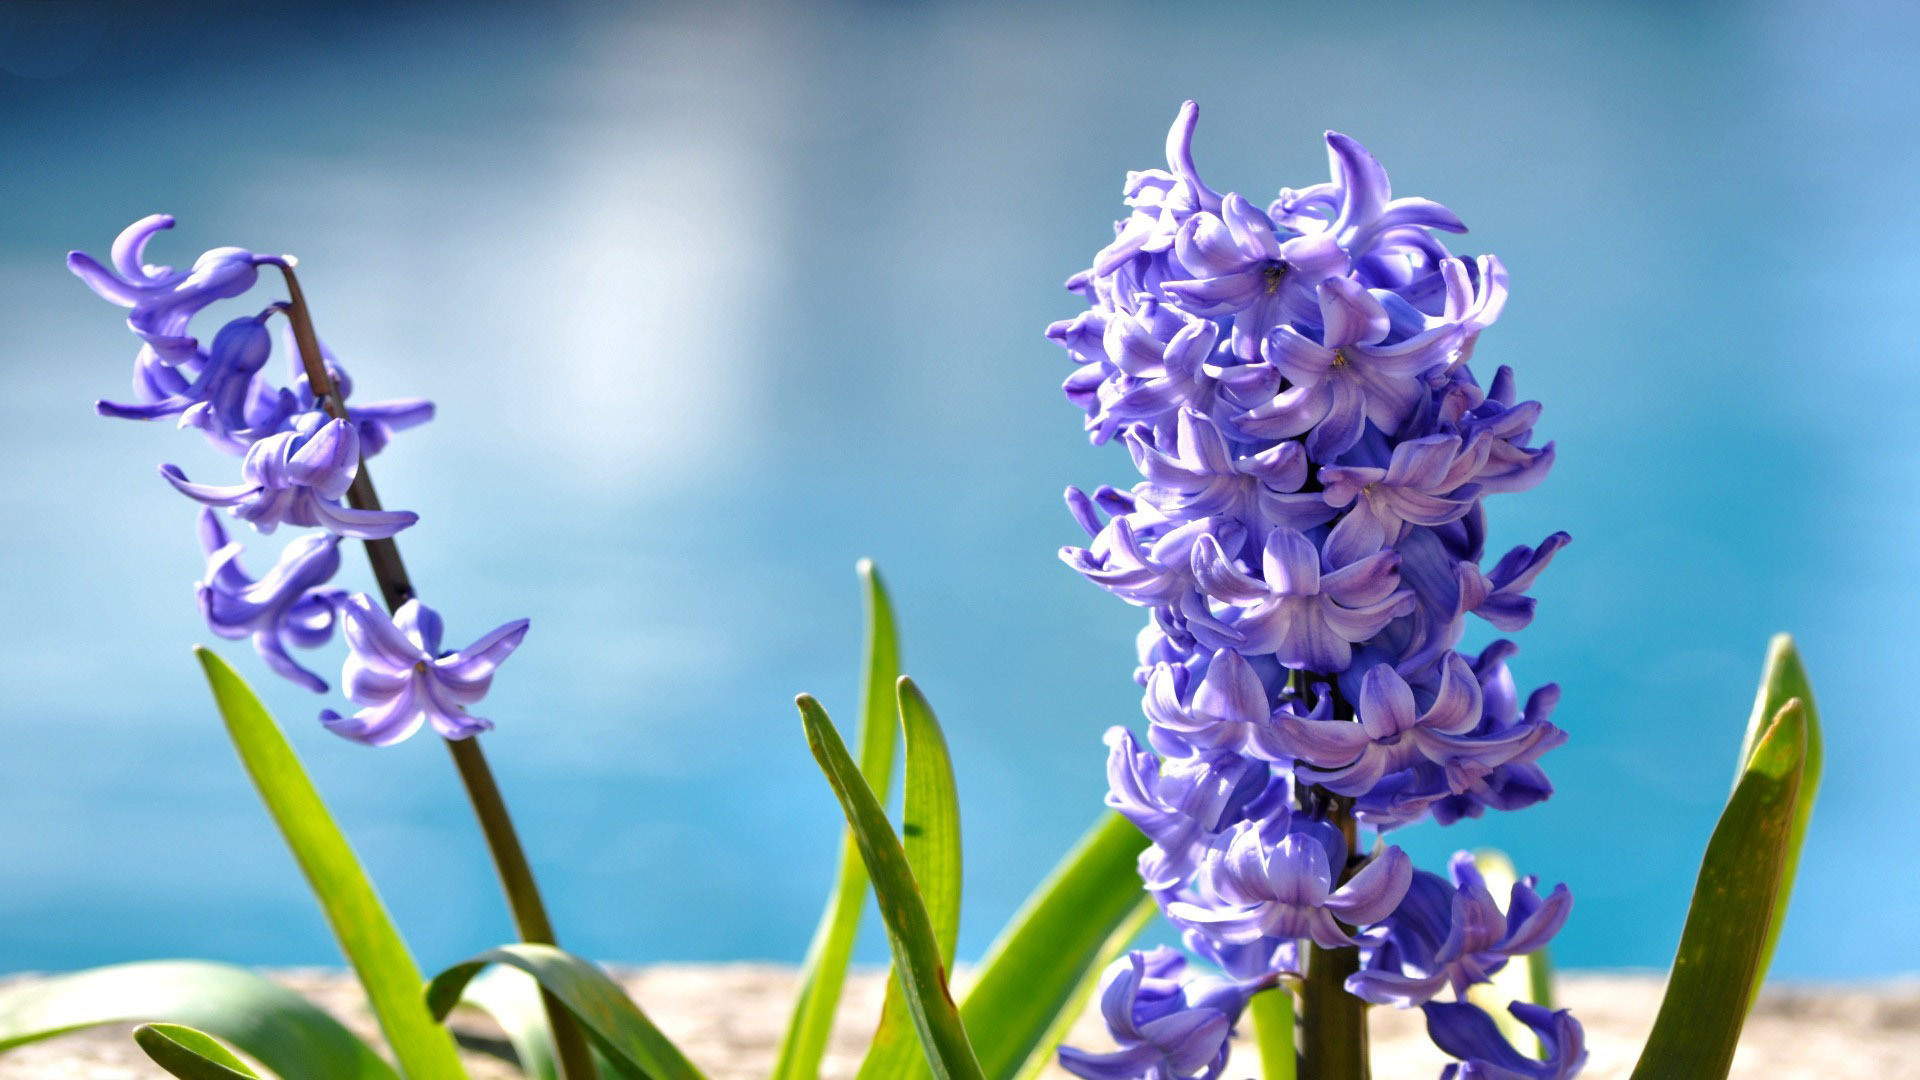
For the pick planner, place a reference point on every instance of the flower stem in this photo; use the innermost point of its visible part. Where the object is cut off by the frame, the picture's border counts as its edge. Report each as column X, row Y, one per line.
column 1332, row 1024
column 529, row 911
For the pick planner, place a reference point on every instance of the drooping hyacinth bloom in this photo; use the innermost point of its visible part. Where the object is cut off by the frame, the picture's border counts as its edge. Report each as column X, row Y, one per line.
column 1455, row 936
column 1471, row 1035
column 288, row 605
column 398, row 672
column 1291, row 377
column 162, row 300
column 298, row 477
column 1167, row 1029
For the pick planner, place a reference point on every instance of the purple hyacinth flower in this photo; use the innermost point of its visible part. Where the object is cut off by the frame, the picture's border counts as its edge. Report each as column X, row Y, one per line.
column 1161, row 200
column 1247, row 270
column 1426, row 482
column 398, row 671
column 376, row 421
column 287, row 606
column 1180, row 804
column 297, row 477
column 1140, row 555
column 1196, row 474
column 1469, row 1034
column 1394, row 733
column 1263, row 879
column 1455, row 937
column 227, row 399
column 163, row 300
column 1306, row 614
column 1367, row 209
column 1349, row 376
column 1166, row 1029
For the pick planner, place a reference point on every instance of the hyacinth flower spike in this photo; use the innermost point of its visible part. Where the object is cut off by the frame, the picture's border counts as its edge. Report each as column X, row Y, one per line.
column 397, row 670
column 298, row 477
column 1469, row 1034
column 1166, row 1029
column 286, row 606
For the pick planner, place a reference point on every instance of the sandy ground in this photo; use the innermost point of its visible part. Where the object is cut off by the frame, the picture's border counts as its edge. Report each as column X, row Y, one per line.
column 728, row 1019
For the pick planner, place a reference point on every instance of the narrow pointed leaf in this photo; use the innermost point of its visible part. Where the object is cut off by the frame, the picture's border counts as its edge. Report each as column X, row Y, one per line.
column 1042, row 1055
column 1785, row 679
column 1032, row 971
column 1722, row 945
column 274, row 1025
column 916, row 952
column 824, row 972
column 512, row 998
column 1272, row 1015
column 359, row 920
column 931, row 824
column 617, row 1026
column 190, row 1054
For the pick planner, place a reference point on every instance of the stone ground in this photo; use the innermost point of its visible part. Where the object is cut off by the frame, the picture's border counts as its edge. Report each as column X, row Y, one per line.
column 729, row 1018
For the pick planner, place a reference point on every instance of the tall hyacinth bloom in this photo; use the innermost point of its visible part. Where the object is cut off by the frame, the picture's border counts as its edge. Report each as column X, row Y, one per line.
column 299, row 458
column 1292, row 379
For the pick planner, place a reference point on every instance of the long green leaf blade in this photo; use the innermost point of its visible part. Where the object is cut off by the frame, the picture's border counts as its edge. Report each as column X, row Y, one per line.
column 931, row 824
column 359, row 920
column 1785, row 679
column 916, row 953
column 190, row 1054
column 618, row 1027
column 1030, row 974
column 1116, row 944
column 824, row 972
column 276, row 1026
column 512, row 998
column 1722, row 945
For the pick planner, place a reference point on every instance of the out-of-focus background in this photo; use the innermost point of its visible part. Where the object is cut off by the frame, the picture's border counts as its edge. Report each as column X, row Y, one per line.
column 717, row 298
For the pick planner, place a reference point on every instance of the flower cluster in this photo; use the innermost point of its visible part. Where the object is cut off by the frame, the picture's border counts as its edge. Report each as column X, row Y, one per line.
column 1292, row 383
column 299, row 459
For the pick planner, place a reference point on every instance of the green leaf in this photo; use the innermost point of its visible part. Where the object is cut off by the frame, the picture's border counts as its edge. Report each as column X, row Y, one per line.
column 916, row 953
column 1724, row 941
column 190, row 1054
column 825, row 970
column 276, row 1026
column 1272, row 1014
column 1032, row 972
column 931, row 824
column 1526, row 978
column 617, row 1026
column 359, row 920
column 1042, row 1055
column 1785, row 679
column 512, row 998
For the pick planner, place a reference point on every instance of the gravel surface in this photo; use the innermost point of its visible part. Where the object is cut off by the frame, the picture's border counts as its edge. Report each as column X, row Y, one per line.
column 728, row 1019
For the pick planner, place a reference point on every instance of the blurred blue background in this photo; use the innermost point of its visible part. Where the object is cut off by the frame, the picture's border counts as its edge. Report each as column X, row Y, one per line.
column 717, row 298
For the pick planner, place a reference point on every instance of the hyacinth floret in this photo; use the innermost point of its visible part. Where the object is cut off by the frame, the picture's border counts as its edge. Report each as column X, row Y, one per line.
column 299, row 458
column 1291, row 379
column 1468, row 1033
column 398, row 671
column 1167, row 1027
